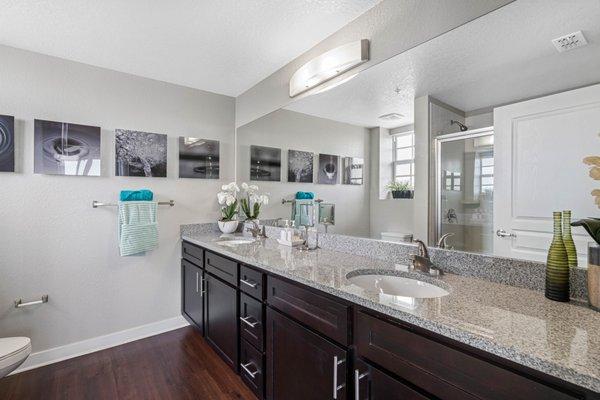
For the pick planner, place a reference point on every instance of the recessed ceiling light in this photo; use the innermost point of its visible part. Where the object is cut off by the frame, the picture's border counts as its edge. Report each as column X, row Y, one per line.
column 569, row 42
column 391, row 117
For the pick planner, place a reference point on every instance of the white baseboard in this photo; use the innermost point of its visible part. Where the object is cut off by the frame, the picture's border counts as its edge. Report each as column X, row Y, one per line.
column 76, row 349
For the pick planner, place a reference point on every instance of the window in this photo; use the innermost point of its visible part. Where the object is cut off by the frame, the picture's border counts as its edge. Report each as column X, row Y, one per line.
column 404, row 158
column 487, row 172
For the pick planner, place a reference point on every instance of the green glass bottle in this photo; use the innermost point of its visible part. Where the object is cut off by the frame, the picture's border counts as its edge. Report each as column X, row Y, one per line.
column 568, row 239
column 557, row 265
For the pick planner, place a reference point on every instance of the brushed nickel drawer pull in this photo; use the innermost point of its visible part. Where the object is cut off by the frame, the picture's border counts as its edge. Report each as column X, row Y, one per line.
column 249, row 283
column 245, row 368
column 247, row 322
column 336, row 387
column 357, row 377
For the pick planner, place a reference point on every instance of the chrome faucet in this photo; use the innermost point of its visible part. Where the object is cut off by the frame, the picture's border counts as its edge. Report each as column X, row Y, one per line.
column 421, row 261
column 442, row 242
column 256, row 231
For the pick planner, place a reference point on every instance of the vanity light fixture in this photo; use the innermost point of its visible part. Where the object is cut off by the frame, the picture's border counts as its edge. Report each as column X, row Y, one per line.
column 329, row 65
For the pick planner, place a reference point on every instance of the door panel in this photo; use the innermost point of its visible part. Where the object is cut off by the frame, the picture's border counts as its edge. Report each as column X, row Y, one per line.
column 192, row 293
column 539, row 148
column 301, row 364
column 221, row 325
column 373, row 384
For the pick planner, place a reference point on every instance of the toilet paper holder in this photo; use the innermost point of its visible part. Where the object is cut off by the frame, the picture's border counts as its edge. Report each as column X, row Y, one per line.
column 19, row 302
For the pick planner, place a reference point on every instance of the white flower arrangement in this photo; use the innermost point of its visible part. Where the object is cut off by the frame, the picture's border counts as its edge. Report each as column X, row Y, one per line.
column 228, row 199
column 252, row 200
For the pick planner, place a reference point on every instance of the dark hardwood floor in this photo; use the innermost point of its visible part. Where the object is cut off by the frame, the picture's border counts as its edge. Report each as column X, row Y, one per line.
column 174, row 365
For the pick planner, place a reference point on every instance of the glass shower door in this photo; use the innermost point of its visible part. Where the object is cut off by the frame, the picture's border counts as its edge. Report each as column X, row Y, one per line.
column 465, row 190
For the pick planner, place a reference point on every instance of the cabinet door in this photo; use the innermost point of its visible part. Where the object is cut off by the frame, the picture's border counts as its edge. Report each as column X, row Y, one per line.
column 221, row 319
column 193, row 293
column 301, row 364
column 373, row 384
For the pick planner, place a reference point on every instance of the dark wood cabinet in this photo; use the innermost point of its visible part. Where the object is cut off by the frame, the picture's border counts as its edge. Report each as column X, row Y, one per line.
column 321, row 313
column 251, row 368
column 302, row 365
column 193, row 301
column 221, row 319
column 372, row 384
column 440, row 369
column 298, row 344
column 251, row 321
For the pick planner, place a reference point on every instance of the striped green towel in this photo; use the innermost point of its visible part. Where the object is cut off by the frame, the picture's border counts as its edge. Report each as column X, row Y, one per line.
column 138, row 227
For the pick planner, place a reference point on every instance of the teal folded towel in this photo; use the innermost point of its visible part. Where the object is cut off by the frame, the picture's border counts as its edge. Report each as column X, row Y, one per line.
column 302, row 212
column 138, row 227
column 305, row 195
column 136, row 195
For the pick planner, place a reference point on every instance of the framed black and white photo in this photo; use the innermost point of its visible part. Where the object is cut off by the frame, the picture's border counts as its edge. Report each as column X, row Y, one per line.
column 352, row 170
column 140, row 154
column 7, row 143
column 265, row 163
column 198, row 158
column 300, row 166
column 328, row 169
column 62, row 148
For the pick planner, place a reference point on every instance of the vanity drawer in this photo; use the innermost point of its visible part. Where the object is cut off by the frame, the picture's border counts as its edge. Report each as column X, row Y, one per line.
column 251, row 282
column 221, row 267
column 318, row 312
column 193, row 254
column 439, row 369
column 251, row 321
column 251, row 368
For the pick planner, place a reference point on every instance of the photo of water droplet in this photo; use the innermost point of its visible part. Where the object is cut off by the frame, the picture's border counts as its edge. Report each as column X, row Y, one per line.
column 63, row 148
column 7, row 143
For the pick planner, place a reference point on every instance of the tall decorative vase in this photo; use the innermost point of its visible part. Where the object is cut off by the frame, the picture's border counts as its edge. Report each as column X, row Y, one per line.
column 593, row 276
column 568, row 239
column 557, row 265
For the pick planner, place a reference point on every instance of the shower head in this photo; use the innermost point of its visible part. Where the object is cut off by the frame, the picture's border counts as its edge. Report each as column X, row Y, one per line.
column 462, row 127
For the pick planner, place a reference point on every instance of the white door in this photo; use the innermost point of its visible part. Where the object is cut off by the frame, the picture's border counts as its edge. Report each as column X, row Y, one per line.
column 539, row 148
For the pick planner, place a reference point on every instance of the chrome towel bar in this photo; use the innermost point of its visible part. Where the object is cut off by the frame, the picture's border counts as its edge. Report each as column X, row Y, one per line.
column 284, row 201
column 97, row 204
column 19, row 302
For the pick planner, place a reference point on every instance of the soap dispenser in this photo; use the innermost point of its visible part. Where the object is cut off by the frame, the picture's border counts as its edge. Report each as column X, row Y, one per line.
column 284, row 232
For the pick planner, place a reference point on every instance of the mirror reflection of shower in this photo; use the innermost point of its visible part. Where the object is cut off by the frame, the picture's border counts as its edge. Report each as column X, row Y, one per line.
column 465, row 189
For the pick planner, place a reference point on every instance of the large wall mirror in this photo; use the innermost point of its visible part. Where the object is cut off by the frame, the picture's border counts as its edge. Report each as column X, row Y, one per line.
column 481, row 145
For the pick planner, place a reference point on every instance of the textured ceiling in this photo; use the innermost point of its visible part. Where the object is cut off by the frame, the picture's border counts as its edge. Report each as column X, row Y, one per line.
column 222, row 46
column 499, row 58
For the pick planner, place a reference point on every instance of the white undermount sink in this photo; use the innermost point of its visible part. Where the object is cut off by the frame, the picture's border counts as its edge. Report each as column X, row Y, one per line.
column 398, row 286
column 235, row 242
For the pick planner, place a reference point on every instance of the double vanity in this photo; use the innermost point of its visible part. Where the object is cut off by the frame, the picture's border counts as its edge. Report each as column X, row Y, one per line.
column 328, row 324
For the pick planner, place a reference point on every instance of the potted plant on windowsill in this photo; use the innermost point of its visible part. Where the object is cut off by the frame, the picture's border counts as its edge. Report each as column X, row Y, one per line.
column 401, row 190
column 227, row 198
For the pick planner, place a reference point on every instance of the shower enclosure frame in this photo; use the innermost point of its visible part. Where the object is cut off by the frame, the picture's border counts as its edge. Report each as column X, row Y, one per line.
column 435, row 186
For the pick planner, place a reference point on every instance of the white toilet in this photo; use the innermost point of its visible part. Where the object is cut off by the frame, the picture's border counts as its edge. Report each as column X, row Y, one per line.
column 13, row 351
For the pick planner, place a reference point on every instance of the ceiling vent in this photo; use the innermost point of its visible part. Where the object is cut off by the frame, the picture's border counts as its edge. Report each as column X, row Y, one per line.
column 569, row 42
column 391, row 117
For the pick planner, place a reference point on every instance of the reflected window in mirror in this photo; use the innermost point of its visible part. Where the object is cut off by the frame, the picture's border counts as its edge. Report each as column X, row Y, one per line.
column 403, row 156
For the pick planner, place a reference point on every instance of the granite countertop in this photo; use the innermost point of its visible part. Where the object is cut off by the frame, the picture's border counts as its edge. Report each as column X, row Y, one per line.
column 521, row 325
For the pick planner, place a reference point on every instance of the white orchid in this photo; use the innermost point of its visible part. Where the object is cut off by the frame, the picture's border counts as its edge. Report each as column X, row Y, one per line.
column 231, row 187
column 252, row 200
column 228, row 199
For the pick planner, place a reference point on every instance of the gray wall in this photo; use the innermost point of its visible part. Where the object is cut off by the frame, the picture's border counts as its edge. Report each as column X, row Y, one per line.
column 393, row 26
column 54, row 242
column 286, row 130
